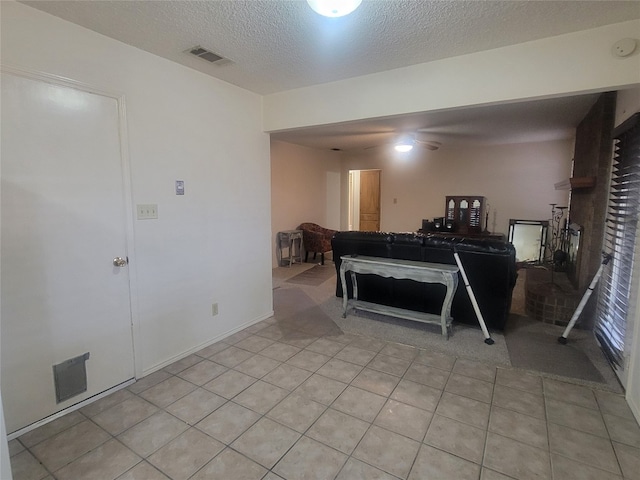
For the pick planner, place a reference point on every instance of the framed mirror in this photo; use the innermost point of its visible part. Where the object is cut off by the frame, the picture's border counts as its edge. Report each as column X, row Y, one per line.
column 529, row 237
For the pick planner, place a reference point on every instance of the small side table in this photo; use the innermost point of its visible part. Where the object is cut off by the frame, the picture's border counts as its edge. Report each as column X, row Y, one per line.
column 288, row 239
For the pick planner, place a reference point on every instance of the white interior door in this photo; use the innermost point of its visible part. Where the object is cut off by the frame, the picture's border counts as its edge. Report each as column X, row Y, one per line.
column 63, row 217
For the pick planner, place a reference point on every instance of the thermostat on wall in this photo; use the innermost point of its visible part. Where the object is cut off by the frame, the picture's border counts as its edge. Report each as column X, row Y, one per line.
column 179, row 187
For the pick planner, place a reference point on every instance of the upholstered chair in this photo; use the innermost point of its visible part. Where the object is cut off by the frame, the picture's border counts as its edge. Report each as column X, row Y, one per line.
column 316, row 239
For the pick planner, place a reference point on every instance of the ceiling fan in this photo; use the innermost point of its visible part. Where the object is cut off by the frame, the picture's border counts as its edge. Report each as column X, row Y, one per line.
column 405, row 142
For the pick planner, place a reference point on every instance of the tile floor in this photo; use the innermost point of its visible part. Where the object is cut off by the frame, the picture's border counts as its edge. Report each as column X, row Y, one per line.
column 294, row 400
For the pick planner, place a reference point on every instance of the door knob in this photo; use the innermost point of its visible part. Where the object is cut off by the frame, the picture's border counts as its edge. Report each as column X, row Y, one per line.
column 120, row 262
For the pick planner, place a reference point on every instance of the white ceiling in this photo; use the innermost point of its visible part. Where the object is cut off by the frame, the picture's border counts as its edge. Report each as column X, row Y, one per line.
column 277, row 45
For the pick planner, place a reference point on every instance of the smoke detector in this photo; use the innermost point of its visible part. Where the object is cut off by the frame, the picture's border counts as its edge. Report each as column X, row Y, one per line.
column 205, row 54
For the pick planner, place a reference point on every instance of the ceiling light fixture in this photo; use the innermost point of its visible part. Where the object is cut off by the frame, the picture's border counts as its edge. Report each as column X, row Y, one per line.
column 334, row 8
column 405, row 144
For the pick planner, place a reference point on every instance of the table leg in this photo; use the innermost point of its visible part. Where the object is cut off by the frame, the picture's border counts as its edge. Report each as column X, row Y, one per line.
column 345, row 295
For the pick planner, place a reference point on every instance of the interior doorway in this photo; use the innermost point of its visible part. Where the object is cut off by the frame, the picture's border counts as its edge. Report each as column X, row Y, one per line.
column 364, row 200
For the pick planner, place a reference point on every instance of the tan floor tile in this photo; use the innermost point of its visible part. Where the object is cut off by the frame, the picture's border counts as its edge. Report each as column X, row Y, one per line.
column 469, row 387
column 143, row 471
column 182, row 364
column 355, row 355
column 297, row 412
column 519, row 401
column 568, row 392
column 519, row 380
column 108, row 461
column 516, row 459
column 566, row 469
column 376, row 382
column 623, row 430
column 25, row 466
column 236, row 337
column 576, row 417
column 254, row 343
column 149, row 381
column 308, row 360
column 298, row 339
column 418, row 395
column 273, row 332
column 338, row 430
column 124, row 415
column 368, row 343
column 202, row 372
column 230, row 465
column 257, row 366
column 167, row 392
column 473, row 369
column 613, row 404
column 279, row 351
column 583, row 447
column 435, row 359
column 432, row 463
column 57, row 451
column 52, row 428
column 310, row 460
column 266, row 442
column 287, row 376
column 229, row 384
column 152, row 433
column 256, row 327
column 228, row 422
column 231, row 357
column 357, row 470
column 629, row 459
column 196, row 405
column 525, row 429
column 406, row 352
column 387, row 451
column 212, row 349
column 341, row 337
column 391, row 365
column 404, row 419
column 321, row 389
column 105, row 403
column 340, row 370
column 325, row 347
column 426, row 375
column 186, row 454
column 15, row 447
column 359, row 403
column 456, row 438
column 261, row 397
column 487, row 474
column 463, row 409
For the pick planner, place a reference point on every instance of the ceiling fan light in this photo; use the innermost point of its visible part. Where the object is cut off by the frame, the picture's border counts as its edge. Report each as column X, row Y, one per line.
column 334, row 8
column 403, row 147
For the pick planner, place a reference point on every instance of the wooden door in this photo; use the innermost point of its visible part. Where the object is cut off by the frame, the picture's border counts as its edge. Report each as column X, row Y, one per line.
column 63, row 223
column 369, row 200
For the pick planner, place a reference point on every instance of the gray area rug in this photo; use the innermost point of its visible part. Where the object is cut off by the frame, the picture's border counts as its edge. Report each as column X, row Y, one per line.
column 534, row 346
column 315, row 275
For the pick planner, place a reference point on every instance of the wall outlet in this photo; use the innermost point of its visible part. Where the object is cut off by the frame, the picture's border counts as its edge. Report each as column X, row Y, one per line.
column 214, row 309
column 147, row 212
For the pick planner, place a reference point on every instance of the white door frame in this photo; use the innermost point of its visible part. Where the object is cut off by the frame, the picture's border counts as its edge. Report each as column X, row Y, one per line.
column 128, row 198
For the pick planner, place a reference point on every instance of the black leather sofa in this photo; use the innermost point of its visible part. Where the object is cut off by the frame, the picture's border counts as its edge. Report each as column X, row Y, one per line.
column 490, row 266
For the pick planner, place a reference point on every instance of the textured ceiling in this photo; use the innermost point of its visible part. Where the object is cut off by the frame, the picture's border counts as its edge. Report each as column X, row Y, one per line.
column 277, row 45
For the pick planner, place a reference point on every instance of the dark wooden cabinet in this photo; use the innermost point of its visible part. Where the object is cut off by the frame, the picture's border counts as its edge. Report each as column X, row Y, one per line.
column 466, row 212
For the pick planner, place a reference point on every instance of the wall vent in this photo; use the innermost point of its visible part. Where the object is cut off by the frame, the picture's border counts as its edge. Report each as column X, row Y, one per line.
column 70, row 377
column 205, row 54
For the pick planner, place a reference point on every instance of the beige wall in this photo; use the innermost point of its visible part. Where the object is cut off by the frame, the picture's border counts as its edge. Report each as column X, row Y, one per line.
column 305, row 187
column 517, row 180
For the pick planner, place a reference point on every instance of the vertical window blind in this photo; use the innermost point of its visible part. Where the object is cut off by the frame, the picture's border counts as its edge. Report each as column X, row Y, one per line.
column 620, row 238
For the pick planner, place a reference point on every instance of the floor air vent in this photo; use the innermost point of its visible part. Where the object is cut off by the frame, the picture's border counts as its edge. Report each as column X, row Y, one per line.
column 205, row 54
column 70, row 377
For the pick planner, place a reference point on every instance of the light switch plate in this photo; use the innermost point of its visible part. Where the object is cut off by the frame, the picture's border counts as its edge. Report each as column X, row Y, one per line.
column 147, row 212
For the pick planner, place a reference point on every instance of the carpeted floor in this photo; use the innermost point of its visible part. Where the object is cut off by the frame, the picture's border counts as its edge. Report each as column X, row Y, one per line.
column 525, row 344
column 315, row 275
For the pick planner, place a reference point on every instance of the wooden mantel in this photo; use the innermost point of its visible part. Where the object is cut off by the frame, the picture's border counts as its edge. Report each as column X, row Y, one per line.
column 575, row 183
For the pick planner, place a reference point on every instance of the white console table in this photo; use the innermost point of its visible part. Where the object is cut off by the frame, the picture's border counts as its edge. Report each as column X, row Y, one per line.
column 400, row 269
